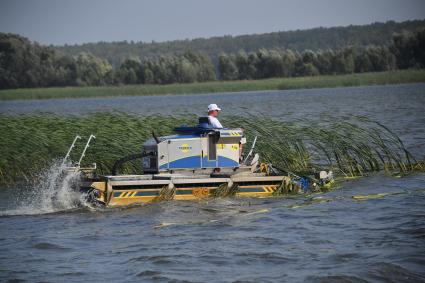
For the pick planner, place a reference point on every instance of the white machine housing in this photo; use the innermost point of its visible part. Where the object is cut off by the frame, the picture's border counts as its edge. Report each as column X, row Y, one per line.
column 215, row 148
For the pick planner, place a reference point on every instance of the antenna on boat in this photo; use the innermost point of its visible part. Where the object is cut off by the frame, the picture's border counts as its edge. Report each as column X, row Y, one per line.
column 70, row 149
column 84, row 151
column 251, row 150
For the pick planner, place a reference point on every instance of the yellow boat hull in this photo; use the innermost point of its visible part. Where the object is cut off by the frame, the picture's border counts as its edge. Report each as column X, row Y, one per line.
column 112, row 192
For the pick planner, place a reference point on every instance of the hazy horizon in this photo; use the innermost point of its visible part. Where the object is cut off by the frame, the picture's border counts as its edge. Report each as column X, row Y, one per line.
column 60, row 22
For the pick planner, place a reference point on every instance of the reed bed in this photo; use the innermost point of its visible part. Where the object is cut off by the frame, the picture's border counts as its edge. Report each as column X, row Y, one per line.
column 352, row 147
column 362, row 79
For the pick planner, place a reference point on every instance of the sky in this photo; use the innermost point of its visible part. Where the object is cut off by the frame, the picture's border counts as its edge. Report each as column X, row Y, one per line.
column 61, row 22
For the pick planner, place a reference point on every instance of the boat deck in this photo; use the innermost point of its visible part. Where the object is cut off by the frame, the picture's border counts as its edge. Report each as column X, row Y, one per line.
column 133, row 189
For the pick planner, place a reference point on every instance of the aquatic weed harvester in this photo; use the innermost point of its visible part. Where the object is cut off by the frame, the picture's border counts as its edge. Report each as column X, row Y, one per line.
column 194, row 163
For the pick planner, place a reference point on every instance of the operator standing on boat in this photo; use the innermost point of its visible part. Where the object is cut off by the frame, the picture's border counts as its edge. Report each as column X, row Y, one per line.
column 213, row 110
column 212, row 116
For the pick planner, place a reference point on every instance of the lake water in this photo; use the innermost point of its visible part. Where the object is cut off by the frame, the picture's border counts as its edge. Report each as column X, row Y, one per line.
column 329, row 237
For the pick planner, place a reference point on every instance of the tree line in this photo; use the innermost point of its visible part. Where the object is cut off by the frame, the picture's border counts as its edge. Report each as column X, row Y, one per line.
column 27, row 64
column 188, row 67
column 24, row 64
column 407, row 50
column 287, row 63
column 379, row 34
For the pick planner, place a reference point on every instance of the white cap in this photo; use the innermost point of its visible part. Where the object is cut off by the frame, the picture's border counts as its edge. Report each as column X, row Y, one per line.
column 213, row 107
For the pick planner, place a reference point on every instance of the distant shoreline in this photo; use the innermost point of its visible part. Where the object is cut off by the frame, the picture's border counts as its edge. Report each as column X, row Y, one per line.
column 359, row 79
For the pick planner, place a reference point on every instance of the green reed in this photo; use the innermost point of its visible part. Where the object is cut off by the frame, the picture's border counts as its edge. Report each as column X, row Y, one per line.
column 355, row 146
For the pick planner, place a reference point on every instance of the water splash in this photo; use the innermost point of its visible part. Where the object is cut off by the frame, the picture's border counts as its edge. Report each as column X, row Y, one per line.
column 55, row 190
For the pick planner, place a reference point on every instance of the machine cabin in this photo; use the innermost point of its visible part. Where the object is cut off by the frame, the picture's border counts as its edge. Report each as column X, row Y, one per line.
column 193, row 148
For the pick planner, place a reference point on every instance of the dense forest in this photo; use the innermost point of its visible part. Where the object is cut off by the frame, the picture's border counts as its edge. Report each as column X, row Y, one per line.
column 27, row 64
column 379, row 34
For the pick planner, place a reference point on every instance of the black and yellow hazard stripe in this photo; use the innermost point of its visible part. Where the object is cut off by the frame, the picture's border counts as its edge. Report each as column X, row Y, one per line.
column 134, row 194
column 126, row 197
column 236, row 133
column 270, row 189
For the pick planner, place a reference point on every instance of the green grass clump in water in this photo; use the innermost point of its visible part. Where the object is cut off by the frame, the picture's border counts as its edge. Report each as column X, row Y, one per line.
column 352, row 146
column 224, row 190
column 286, row 188
column 29, row 144
column 165, row 194
column 380, row 78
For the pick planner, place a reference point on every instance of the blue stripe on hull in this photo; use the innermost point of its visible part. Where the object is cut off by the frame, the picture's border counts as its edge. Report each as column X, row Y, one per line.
column 195, row 163
column 184, row 192
column 138, row 194
column 251, row 190
column 188, row 162
column 226, row 162
column 144, row 194
column 208, row 163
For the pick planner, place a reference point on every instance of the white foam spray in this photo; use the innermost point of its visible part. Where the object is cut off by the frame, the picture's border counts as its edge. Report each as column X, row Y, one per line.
column 55, row 190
